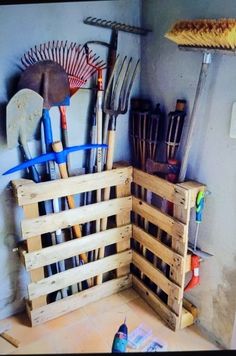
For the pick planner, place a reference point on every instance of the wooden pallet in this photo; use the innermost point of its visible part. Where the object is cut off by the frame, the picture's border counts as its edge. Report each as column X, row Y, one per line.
column 176, row 311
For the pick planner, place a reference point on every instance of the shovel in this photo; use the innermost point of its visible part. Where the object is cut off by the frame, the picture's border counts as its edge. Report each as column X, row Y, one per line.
column 24, row 112
column 49, row 80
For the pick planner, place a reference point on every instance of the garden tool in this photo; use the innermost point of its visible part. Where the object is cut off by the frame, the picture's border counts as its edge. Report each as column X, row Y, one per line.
column 4, row 334
column 115, row 27
column 72, row 57
column 24, row 112
column 98, row 123
column 50, row 80
column 123, row 75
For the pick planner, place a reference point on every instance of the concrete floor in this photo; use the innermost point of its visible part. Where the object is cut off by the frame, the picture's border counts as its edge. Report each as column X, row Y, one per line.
column 92, row 328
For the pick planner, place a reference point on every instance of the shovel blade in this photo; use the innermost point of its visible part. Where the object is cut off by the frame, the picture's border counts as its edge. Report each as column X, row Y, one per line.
column 50, row 80
column 23, row 114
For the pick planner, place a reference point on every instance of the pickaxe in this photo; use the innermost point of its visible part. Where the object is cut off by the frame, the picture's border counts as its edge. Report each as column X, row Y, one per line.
column 58, row 157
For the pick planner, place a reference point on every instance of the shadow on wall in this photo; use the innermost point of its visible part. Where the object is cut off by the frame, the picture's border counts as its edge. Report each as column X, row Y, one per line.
column 224, row 305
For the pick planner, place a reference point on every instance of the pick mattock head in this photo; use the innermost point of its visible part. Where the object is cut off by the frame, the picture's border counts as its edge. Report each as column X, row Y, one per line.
column 122, row 78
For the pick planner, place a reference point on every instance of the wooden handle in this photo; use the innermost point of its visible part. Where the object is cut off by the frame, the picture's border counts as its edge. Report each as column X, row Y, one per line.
column 10, row 339
column 57, row 147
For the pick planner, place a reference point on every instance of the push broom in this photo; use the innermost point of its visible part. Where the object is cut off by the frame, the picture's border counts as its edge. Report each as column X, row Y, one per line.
column 209, row 36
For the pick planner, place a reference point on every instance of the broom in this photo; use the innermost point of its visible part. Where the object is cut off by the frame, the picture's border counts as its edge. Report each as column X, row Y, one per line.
column 208, row 36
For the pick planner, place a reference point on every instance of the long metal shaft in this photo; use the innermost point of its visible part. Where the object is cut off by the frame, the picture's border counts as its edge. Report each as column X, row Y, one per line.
column 203, row 73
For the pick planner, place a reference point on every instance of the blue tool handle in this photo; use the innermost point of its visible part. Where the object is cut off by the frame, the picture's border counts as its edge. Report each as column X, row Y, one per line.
column 199, row 206
column 47, row 127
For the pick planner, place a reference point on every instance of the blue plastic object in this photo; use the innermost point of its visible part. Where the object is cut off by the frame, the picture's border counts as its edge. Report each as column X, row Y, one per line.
column 59, row 157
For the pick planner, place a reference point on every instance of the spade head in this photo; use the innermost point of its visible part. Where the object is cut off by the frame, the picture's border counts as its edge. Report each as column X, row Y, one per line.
column 50, row 80
column 23, row 113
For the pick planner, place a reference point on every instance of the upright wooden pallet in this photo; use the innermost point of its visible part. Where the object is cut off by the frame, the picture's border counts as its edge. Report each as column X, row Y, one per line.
column 35, row 257
column 173, row 308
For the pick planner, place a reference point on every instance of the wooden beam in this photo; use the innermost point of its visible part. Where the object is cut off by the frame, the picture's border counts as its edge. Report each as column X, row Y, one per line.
column 123, row 190
column 68, row 218
column 78, row 274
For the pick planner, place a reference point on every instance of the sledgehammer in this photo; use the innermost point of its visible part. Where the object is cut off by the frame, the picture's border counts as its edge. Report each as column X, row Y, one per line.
column 7, row 337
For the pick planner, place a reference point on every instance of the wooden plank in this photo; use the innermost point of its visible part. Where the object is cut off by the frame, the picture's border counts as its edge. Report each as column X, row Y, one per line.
column 123, row 190
column 159, row 249
column 62, row 251
column 165, row 222
column 156, row 303
column 193, row 189
column 78, row 300
column 157, row 276
column 78, row 274
column 34, row 192
column 187, row 318
column 183, row 215
column 32, row 211
column 68, row 218
column 191, row 308
column 160, row 187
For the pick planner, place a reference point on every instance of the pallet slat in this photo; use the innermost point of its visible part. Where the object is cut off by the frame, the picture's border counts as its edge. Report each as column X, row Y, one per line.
column 156, row 303
column 78, row 300
column 161, row 187
column 34, row 192
column 159, row 249
column 165, row 222
column 52, row 254
column 157, row 276
column 78, row 274
column 68, row 218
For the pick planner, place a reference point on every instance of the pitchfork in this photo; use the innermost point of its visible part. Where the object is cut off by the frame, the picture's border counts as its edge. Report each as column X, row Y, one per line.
column 116, row 103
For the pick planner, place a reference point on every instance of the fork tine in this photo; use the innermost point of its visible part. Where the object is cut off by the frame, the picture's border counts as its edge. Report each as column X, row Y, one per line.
column 128, row 89
column 108, row 91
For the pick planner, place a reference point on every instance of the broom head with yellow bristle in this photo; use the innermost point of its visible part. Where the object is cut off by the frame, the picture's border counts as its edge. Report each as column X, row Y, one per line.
column 211, row 33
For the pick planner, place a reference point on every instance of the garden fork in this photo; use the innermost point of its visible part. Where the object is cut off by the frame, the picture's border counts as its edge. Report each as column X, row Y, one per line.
column 122, row 77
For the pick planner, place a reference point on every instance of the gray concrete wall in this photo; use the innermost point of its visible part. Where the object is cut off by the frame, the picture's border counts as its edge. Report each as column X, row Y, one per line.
column 22, row 27
column 169, row 74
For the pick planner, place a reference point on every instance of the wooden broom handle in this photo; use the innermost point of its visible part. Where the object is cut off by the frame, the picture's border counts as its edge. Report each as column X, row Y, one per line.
column 57, row 147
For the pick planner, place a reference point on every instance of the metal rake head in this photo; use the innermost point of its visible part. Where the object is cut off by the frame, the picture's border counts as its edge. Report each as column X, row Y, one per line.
column 70, row 56
column 119, row 86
